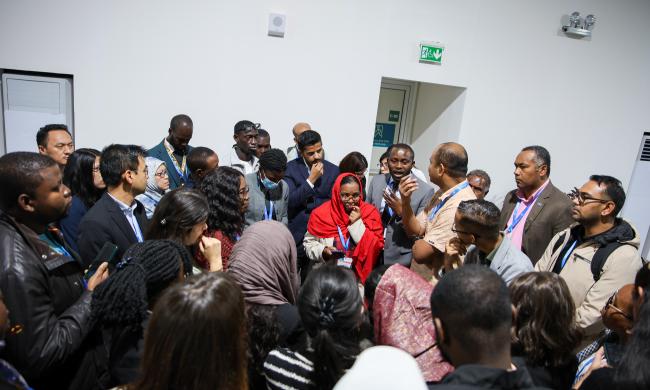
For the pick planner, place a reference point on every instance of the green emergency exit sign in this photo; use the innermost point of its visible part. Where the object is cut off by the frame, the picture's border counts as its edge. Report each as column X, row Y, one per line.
column 431, row 53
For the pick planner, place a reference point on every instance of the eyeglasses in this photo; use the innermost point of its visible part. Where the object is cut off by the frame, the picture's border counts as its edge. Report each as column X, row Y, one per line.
column 162, row 174
column 453, row 229
column 583, row 198
column 243, row 191
column 610, row 303
column 382, row 165
column 96, row 169
column 345, row 196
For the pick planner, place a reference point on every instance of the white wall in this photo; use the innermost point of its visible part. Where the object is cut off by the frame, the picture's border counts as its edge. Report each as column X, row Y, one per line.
column 136, row 63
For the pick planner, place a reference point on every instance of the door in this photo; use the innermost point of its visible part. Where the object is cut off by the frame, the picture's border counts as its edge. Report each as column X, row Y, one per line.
column 28, row 103
column 394, row 118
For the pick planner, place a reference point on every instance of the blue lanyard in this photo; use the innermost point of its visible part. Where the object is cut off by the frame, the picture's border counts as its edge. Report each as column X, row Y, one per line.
column 268, row 216
column 346, row 244
column 442, row 203
column 568, row 253
column 517, row 218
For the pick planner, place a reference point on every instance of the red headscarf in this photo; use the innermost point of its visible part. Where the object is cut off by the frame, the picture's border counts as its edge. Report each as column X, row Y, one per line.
column 325, row 219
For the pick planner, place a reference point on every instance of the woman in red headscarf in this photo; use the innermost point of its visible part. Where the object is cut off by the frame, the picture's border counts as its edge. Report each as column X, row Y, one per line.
column 345, row 230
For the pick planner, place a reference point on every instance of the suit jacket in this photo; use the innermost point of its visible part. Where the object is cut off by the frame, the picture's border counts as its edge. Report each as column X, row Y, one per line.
column 160, row 153
column 105, row 222
column 257, row 201
column 398, row 244
column 302, row 197
column 548, row 216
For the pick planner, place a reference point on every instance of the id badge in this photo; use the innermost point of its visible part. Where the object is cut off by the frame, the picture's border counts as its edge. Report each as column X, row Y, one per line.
column 345, row 262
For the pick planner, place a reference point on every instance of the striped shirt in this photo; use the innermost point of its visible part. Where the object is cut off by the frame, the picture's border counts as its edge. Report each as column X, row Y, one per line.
column 287, row 370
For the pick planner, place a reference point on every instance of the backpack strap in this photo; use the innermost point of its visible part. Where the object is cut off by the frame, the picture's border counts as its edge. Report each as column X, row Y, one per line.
column 601, row 256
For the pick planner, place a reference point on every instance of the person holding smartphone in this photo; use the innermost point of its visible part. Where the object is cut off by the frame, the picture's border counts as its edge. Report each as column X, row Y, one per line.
column 345, row 231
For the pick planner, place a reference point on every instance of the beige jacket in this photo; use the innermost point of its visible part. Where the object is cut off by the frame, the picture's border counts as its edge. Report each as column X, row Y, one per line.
column 314, row 245
column 589, row 296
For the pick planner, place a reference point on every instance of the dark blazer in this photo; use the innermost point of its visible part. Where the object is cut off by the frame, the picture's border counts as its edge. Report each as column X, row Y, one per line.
column 398, row 244
column 105, row 222
column 302, row 198
column 69, row 224
column 549, row 215
column 160, row 153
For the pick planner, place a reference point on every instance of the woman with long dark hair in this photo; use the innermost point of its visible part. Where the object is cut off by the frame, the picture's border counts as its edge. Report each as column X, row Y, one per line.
column 345, row 230
column 264, row 263
column 121, row 306
column 331, row 311
column 227, row 194
column 545, row 332
column 196, row 338
column 181, row 215
column 82, row 176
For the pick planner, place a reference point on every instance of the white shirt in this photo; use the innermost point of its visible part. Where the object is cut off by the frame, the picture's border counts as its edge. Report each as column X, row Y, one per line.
column 244, row 167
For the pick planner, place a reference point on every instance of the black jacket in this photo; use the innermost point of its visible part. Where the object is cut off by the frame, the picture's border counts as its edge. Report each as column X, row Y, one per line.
column 48, row 307
column 471, row 376
column 105, row 222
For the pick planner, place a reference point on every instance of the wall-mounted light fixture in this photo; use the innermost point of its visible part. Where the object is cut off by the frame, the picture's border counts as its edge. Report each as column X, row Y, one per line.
column 578, row 26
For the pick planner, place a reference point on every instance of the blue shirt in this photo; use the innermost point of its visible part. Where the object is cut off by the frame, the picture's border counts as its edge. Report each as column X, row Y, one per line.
column 128, row 213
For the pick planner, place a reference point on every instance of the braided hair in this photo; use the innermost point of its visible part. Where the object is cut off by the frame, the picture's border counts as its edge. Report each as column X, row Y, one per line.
column 221, row 186
column 273, row 160
column 330, row 309
column 146, row 270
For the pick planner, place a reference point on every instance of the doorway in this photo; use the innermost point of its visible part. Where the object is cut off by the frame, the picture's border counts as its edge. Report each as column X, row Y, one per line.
column 31, row 100
column 394, row 119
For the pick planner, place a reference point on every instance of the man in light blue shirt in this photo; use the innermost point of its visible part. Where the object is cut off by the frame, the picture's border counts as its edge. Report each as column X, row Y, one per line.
column 476, row 225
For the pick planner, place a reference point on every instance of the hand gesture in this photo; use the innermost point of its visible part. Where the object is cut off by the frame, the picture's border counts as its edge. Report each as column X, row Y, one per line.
column 407, row 186
column 210, row 248
column 355, row 214
column 393, row 202
column 328, row 253
column 316, row 172
column 100, row 275
column 453, row 250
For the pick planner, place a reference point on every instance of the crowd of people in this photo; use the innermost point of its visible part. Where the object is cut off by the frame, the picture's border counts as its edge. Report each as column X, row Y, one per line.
column 173, row 268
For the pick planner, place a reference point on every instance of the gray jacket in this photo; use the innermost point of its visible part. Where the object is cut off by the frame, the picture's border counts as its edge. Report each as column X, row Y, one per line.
column 509, row 262
column 397, row 244
column 256, row 205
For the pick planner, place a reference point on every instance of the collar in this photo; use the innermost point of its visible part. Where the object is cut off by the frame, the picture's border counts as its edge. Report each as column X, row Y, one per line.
column 235, row 157
column 520, row 194
column 491, row 255
column 449, row 191
column 123, row 206
column 168, row 145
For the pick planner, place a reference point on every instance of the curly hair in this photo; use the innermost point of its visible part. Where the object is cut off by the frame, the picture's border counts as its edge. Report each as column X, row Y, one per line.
column 264, row 335
column 146, row 270
column 221, row 187
column 545, row 340
column 78, row 176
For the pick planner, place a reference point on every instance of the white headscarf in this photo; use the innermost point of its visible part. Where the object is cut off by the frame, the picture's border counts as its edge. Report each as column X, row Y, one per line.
column 383, row 367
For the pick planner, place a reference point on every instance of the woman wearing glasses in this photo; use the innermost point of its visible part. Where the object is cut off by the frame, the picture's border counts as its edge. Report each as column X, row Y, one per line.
column 228, row 200
column 157, row 185
column 345, row 230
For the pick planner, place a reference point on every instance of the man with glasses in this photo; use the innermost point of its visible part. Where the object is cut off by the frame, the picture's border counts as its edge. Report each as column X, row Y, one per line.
column 55, row 141
column 268, row 193
column 383, row 193
column 242, row 155
column 476, row 226
column 596, row 255
column 174, row 150
column 536, row 211
column 117, row 217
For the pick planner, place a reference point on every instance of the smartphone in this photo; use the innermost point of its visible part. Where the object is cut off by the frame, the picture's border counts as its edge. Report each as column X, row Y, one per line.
column 106, row 254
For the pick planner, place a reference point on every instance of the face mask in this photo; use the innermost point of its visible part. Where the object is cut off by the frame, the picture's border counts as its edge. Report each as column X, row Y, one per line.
column 270, row 185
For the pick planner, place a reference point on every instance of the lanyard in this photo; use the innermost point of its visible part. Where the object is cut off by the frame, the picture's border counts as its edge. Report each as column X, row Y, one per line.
column 268, row 216
column 517, row 218
column 180, row 169
column 568, row 253
column 442, row 203
column 346, row 244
